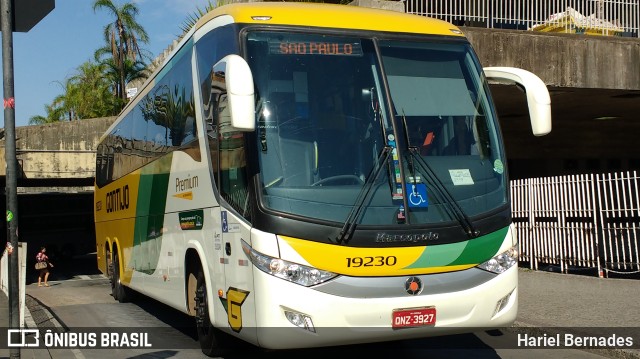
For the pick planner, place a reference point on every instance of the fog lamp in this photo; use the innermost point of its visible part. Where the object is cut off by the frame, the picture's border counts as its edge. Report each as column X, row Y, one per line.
column 300, row 320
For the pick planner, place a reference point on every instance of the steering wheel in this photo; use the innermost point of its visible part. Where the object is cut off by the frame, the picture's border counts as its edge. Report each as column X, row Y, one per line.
column 352, row 178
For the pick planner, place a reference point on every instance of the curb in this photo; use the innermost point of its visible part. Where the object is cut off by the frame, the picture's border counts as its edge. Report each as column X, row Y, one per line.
column 40, row 316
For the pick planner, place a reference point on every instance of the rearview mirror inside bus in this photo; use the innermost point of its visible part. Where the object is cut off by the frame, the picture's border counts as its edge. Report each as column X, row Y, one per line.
column 538, row 98
column 232, row 78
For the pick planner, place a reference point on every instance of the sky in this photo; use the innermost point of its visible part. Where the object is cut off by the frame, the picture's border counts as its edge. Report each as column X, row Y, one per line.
column 52, row 50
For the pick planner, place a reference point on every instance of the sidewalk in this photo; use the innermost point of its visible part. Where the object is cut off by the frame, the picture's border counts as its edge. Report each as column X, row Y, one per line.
column 36, row 316
column 579, row 305
column 548, row 303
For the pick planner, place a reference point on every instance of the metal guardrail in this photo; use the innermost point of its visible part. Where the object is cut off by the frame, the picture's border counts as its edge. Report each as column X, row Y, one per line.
column 587, row 221
column 595, row 17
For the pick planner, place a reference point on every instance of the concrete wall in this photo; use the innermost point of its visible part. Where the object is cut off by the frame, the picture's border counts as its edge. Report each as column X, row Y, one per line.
column 562, row 60
column 58, row 150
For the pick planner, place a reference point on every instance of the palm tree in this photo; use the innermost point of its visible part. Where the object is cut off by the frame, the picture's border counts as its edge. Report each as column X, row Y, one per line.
column 191, row 20
column 91, row 92
column 130, row 71
column 86, row 94
column 122, row 37
column 66, row 104
column 54, row 114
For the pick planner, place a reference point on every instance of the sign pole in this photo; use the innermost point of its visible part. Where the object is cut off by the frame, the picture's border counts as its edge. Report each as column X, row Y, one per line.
column 11, row 192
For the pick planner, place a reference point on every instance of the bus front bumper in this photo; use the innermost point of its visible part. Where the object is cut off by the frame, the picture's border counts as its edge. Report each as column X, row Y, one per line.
column 328, row 320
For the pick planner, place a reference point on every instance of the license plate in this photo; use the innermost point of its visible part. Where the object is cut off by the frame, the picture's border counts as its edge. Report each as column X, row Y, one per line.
column 413, row 317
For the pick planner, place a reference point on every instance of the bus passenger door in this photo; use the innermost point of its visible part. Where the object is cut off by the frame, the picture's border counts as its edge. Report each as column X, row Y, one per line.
column 229, row 157
column 235, row 228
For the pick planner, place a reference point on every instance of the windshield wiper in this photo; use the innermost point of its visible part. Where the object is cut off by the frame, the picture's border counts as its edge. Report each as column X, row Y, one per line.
column 451, row 205
column 350, row 223
column 262, row 131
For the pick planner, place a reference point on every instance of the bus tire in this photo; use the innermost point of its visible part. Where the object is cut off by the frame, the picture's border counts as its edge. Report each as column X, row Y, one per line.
column 119, row 291
column 210, row 338
column 110, row 274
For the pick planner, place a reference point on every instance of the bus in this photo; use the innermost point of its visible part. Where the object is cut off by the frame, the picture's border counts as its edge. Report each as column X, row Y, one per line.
column 299, row 175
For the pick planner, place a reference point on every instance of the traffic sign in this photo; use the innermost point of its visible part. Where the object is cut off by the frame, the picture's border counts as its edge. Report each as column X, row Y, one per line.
column 27, row 13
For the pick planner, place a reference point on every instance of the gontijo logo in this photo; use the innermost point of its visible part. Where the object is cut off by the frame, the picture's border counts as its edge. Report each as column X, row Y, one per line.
column 118, row 199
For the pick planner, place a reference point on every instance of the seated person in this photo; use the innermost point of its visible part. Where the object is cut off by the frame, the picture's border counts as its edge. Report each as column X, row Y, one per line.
column 463, row 141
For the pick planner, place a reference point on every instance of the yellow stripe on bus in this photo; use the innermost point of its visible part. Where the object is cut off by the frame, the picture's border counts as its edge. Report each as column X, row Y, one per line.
column 365, row 262
column 331, row 16
column 115, row 215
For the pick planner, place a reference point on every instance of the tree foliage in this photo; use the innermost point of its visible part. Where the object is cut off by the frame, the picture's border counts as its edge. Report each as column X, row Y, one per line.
column 98, row 88
column 122, row 38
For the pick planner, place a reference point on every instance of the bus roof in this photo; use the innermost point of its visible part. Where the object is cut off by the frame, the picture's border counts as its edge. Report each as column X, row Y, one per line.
column 331, row 16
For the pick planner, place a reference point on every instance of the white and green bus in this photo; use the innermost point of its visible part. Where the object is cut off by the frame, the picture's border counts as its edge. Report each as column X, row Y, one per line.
column 301, row 175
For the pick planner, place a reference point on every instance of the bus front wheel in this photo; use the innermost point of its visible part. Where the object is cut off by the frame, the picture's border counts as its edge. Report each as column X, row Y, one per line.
column 208, row 336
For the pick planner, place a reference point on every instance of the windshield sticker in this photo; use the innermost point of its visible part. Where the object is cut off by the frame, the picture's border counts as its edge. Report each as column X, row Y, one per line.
column 417, row 195
column 398, row 196
column 498, row 167
column 461, row 177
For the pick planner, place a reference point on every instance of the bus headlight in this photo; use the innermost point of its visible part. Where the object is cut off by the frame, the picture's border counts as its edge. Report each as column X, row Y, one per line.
column 293, row 272
column 501, row 262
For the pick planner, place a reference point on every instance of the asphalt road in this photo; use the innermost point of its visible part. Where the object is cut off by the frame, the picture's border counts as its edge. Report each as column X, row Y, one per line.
column 87, row 303
column 80, row 297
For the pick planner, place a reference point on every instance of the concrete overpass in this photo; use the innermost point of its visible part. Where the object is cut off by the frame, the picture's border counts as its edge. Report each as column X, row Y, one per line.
column 595, row 93
column 595, row 97
column 56, row 157
column 55, row 185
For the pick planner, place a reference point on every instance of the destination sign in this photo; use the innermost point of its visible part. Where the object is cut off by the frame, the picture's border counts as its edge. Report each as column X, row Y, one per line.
column 322, row 47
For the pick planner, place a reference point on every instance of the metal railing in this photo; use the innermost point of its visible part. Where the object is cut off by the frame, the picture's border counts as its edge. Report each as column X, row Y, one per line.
column 586, row 221
column 596, row 17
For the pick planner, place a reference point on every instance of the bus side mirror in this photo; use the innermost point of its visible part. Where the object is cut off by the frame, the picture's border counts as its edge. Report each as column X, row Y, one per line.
column 538, row 98
column 234, row 71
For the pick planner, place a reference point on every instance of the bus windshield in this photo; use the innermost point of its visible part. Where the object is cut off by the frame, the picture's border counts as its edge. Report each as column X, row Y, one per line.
column 327, row 108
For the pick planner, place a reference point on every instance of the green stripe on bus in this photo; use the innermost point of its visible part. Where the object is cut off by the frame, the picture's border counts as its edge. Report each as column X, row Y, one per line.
column 481, row 249
column 474, row 251
column 152, row 201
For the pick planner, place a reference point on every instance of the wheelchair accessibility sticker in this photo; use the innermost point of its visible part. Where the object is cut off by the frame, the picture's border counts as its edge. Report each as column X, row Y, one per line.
column 417, row 195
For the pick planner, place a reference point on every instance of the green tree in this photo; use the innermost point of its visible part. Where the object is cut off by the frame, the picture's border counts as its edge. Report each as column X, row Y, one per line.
column 130, row 70
column 90, row 92
column 191, row 19
column 86, row 94
column 122, row 37
column 66, row 103
column 53, row 114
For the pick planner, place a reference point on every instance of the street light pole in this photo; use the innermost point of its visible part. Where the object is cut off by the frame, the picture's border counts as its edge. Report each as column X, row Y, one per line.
column 11, row 191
